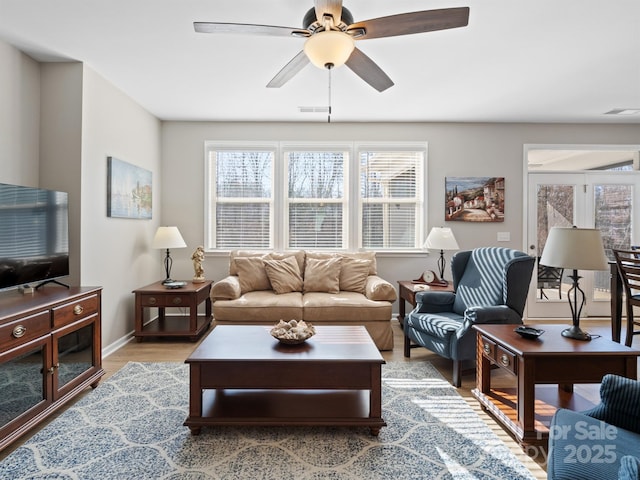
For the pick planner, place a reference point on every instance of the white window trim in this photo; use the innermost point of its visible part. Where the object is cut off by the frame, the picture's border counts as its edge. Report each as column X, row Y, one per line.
column 353, row 212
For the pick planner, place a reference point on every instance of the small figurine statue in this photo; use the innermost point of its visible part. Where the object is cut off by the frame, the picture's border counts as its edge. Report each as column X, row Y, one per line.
column 198, row 257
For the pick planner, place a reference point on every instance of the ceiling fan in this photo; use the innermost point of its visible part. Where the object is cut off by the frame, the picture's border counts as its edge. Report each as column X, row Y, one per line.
column 331, row 33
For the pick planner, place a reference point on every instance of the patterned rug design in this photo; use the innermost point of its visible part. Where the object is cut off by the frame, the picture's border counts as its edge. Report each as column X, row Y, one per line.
column 130, row 427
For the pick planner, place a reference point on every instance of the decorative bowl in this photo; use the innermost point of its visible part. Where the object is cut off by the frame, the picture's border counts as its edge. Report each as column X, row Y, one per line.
column 528, row 332
column 292, row 332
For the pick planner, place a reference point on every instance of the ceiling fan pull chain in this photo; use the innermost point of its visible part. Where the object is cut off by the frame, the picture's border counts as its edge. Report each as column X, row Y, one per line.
column 329, row 114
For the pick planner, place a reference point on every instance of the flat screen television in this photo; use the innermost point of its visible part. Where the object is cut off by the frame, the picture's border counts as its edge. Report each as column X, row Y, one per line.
column 34, row 235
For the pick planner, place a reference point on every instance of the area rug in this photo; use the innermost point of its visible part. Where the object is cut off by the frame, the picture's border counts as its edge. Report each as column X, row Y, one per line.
column 130, row 427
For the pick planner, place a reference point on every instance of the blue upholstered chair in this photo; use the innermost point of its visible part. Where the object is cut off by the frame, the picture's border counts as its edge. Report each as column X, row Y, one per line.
column 602, row 443
column 490, row 286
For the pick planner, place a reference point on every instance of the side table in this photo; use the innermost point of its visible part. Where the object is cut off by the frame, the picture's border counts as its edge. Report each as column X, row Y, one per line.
column 551, row 359
column 158, row 296
column 407, row 293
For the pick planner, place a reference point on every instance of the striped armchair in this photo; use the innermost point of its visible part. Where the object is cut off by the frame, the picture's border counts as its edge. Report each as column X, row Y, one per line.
column 490, row 286
column 602, row 443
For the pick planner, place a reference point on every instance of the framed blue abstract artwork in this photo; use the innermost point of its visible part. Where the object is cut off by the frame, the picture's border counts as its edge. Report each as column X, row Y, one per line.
column 129, row 190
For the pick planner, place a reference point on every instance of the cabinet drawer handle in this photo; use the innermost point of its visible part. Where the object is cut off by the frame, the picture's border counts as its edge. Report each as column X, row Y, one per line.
column 504, row 360
column 78, row 309
column 152, row 300
column 177, row 301
column 487, row 348
column 19, row 331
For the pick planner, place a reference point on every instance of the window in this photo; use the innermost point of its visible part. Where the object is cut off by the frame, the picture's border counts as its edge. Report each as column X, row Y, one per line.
column 316, row 202
column 303, row 196
column 391, row 199
column 240, row 213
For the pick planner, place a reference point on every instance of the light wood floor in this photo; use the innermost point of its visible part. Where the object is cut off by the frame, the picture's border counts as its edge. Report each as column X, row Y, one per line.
column 166, row 350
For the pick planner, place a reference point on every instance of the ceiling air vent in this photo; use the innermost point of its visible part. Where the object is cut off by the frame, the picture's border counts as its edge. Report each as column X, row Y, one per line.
column 313, row 109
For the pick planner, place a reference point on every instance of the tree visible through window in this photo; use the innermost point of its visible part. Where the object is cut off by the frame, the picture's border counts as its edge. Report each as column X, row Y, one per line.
column 243, row 197
column 316, row 197
column 302, row 198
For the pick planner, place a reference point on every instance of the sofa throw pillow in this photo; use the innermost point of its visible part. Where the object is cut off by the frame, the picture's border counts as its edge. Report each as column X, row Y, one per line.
column 297, row 254
column 371, row 256
column 322, row 275
column 284, row 275
column 252, row 274
column 233, row 270
column 353, row 274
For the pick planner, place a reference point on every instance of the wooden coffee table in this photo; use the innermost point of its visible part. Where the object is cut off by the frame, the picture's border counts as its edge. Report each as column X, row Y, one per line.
column 241, row 375
column 552, row 359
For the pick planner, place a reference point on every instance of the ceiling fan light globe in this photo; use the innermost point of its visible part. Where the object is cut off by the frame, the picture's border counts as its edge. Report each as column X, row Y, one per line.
column 330, row 47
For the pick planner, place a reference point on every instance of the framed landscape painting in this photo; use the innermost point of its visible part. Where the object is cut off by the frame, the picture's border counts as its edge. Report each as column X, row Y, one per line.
column 474, row 199
column 129, row 190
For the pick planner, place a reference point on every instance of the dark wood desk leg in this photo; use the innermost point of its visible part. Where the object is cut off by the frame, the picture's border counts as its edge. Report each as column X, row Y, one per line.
column 193, row 315
column 566, row 387
column 616, row 303
column 407, row 345
column 483, row 368
column 139, row 317
column 375, row 397
column 195, row 396
column 526, row 399
column 401, row 311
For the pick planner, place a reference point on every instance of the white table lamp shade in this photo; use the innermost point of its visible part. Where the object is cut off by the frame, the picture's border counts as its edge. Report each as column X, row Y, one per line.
column 574, row 248
column 168, row 237
column 441, row 238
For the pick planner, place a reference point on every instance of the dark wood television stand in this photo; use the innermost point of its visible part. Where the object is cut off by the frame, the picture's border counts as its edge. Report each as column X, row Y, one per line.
column 50, row 351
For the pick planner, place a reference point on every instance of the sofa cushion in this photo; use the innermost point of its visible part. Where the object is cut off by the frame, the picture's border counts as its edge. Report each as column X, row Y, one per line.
column 343, row 307
column 379, row 289
column 353, row 274
column 284, row 275
column 322, row 275
column 262, row 306
column 252, row 274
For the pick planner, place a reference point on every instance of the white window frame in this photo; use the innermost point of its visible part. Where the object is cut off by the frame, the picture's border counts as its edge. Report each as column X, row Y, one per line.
column 420, row 199
column 210, row 148
column 345, row 148
column 352, row 201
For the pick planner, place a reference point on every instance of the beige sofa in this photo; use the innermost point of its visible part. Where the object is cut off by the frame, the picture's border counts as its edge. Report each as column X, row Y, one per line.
column 318, row 287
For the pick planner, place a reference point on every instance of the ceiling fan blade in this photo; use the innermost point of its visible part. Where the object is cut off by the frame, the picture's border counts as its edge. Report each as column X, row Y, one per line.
column 331, row 7
column 413, row 22
column 247, row 28
column 296, row 64
column 368, row 70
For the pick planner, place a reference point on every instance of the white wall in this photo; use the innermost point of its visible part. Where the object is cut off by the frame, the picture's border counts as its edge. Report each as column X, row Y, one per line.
column 453, row 150
column 19, row 117
column 116, row 252
column 61, row 146
column 58, row 124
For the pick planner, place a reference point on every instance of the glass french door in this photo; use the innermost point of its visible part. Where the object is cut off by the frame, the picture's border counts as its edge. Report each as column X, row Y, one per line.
column 603, row 200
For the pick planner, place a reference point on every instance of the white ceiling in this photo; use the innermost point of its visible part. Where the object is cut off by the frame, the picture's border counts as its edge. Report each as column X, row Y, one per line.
column 517, row 61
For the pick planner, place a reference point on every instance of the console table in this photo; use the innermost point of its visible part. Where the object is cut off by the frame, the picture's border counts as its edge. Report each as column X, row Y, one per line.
column 50, row 351
column 161, row 297
column 551, row 359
